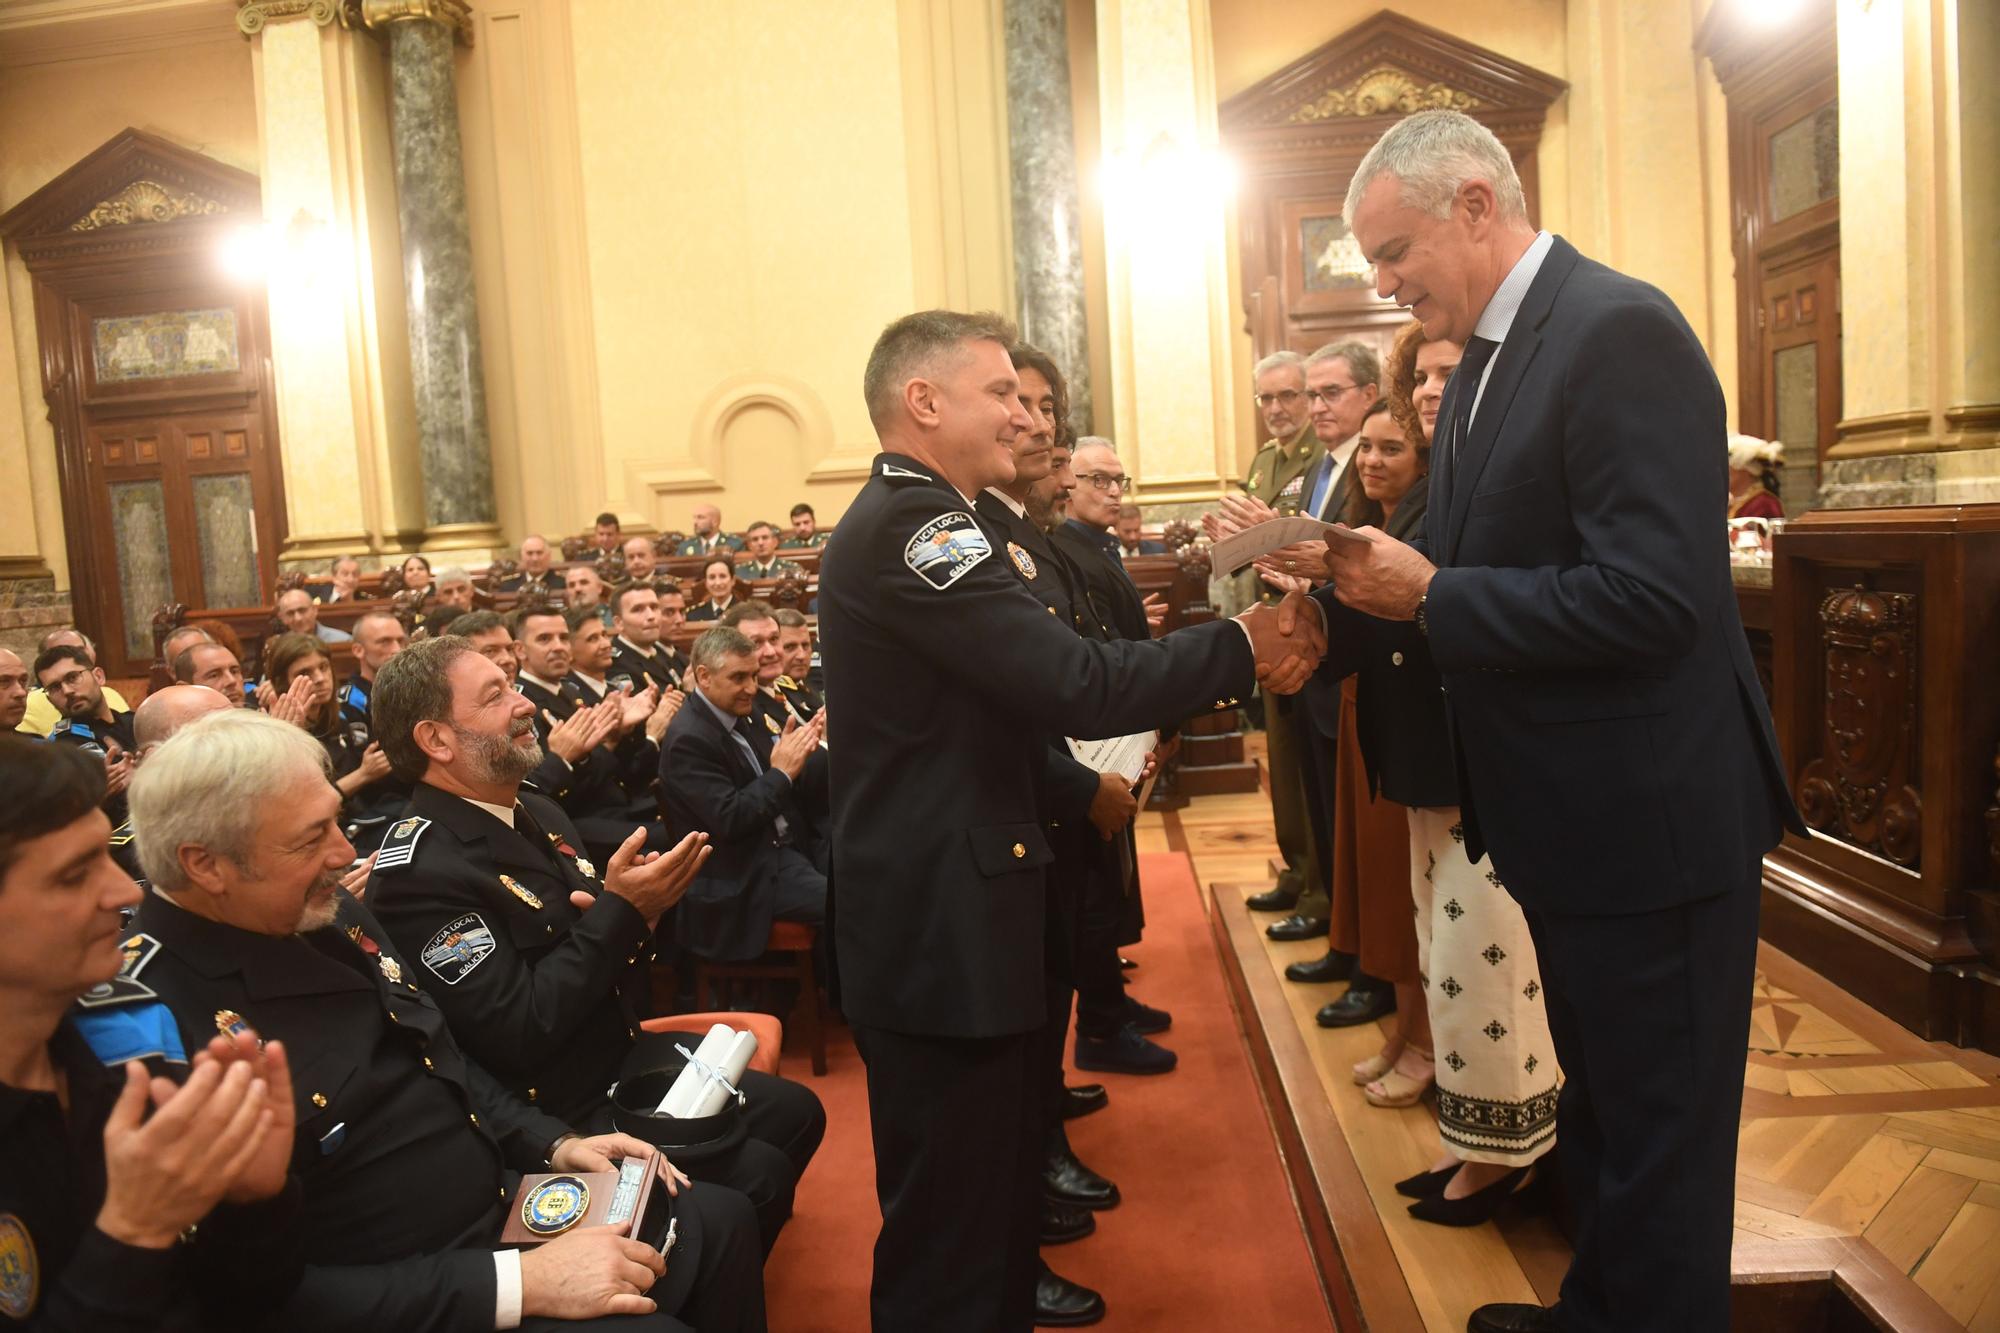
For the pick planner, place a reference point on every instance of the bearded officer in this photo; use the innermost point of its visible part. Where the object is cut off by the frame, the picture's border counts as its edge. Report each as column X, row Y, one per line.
column 950, row 676
column 551, row 999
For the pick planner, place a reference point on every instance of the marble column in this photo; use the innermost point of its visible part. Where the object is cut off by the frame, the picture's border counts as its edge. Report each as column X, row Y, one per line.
column 1048, row 246
column 445, row 367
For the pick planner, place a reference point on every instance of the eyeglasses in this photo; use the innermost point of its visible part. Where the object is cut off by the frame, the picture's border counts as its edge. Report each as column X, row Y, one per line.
column 1331, row 394
column 1288, row 397
column 69, row 682
column 1105, row 481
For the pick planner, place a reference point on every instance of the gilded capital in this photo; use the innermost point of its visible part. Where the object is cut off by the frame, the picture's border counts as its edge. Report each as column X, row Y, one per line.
column 252, row 15
column 377, row 15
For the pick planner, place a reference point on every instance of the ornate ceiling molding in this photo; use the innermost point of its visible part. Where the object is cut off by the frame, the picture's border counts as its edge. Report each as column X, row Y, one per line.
column 135, row 192
column 1383, row 91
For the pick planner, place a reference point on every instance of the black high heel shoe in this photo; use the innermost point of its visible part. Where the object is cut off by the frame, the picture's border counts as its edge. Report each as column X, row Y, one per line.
column 1424, row 1184
column 1476, row 1207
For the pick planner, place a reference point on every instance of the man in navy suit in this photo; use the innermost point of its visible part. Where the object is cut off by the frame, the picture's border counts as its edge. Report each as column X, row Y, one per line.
column 767, row 863
column 1614, row 750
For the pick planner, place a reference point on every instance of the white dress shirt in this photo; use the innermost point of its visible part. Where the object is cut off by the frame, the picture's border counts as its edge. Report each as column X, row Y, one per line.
column 1497, row 320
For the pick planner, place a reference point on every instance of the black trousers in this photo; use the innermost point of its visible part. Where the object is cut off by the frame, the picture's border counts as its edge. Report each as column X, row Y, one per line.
column 958, row 1134
column 715, row 1273
column 1650, row 1014
column 786, row 1125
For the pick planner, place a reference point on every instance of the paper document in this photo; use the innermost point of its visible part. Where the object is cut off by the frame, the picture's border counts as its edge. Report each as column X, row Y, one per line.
column 1123, row 755
column 1234, row 553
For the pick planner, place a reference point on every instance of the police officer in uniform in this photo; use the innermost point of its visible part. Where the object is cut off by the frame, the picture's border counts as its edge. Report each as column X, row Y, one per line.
column 795, row 686
column 87, row 1240
column 551, row 999
column 90, row 721
column 950, row 677
column 640, row 649
column 405, row 1151
column 378, row 636
column 1278, row 476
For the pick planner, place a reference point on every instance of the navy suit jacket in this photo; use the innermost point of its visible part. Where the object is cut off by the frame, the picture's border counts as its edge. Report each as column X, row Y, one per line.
column 1615, row 753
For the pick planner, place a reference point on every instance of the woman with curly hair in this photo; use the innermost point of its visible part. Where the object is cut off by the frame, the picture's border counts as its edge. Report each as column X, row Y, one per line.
column 370, row 795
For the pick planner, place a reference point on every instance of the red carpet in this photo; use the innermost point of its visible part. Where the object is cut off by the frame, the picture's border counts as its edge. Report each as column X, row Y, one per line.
column 1206, row 1237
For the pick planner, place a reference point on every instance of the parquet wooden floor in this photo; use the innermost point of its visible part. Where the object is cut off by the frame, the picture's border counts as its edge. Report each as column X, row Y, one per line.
column 1854, row 1130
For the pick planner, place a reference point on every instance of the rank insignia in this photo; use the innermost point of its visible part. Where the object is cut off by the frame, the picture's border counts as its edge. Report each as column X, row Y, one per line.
column 401, row 844
column 555, row 1205
column 771, row 724
column 20, row 1269
column 391, row 968
column 228, row 1022
column 515, row 887
column 1022, row 560
column 138, row 951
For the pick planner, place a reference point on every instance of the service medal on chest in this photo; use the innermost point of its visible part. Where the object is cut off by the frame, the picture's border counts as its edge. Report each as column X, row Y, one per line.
column 1022, row 560
column 391, row 968
column 519, row 890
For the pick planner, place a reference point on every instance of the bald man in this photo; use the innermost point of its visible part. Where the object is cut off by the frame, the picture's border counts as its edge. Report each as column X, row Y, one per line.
column 159, row 715
column 535, row 575
column 13, row 689
column 709, row 538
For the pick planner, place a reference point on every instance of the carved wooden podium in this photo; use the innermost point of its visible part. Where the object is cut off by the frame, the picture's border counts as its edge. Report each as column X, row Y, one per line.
column 1886, row 674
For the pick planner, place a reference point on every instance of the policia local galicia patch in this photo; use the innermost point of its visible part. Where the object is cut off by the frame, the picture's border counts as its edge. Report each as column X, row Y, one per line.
column 458, row 948
column 946, row 548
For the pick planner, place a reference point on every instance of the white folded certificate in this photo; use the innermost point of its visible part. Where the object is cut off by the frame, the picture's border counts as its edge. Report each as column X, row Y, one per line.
column 1123, row 755
column 1234, row 553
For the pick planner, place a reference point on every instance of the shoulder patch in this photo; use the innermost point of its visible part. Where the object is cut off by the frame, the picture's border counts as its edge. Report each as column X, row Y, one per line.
column 127, row 1023
column 461, row 946
column 945, row 549
column 139, row 950
column 401, row 844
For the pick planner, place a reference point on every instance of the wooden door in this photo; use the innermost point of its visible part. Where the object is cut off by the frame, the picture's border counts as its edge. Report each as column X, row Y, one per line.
column 1799, row 309
column 181, row 510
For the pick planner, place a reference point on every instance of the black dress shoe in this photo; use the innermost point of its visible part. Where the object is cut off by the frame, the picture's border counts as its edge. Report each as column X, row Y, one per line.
column 1146, row 1018
column 1426, row 1183
column 1278, row 899
column 1296, row 927
column 1126, row 1051
column 1065, row 1222
column 1476, row 1207
column 1512, row 1319
column 1069, row 1181
column 1357, row 1006
column 1334, row 966
column 1061, row 1303
column 1083, row 1099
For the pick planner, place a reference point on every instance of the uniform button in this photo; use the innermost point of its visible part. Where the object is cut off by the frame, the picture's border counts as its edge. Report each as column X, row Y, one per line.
column 428, row 1064
column 531, row 1094
column 632, row 1034
column 548, row 930
column 503, row 1191
column 1019, row 851
column 319, row 1100
column 393, row 1018
column 1397, row 658
column 474, row 1118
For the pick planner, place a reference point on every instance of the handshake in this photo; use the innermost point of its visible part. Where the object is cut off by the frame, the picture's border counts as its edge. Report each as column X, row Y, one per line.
column 1288, row 640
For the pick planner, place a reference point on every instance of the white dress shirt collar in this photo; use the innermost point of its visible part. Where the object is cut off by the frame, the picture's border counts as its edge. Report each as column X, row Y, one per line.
column 1020, row 510
column 503, row 813
column 1498, row 318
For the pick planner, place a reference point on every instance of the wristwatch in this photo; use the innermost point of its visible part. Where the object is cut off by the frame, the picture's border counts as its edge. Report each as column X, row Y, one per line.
column 1423, row 626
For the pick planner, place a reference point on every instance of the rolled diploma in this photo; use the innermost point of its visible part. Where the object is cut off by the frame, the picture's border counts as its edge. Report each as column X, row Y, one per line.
column 687, row 1090
column 730, row 1066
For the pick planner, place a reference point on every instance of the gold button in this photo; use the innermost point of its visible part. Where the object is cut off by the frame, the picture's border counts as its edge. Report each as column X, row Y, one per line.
column 393, row 1018
column 548, row 930
column 531, row 1094
column 428, row 1064
column 1396, row 658
column 474, row 1118
column 1019, row 851
column 319, row 1100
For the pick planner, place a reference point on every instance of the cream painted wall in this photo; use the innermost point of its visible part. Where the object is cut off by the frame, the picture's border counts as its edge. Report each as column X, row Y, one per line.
column 200, row 95
column 731, row 202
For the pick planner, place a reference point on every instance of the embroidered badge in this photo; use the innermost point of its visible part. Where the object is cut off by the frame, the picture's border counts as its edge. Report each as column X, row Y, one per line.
column 20, row 1269
column 458, row 948
column 945, row 549
column 1022, row 560
column 139, row 951
column 401, row 844
column 515, row 887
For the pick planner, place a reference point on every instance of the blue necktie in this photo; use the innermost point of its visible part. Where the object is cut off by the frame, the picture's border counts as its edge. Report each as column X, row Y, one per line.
column 1471, row 366
column 1321, row 481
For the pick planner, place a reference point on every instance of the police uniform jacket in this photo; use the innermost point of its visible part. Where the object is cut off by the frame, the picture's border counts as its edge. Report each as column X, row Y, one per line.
column 662, row 668
column 60, row 1274
column 708, row 784
column 716, row 544
column 405, row 1151
column 368, row 811
column 597, row 784
column 546, row 997
column 547, row 583
column 777, row 568
column 793, row 543
column 950, row 677
column 97, row 737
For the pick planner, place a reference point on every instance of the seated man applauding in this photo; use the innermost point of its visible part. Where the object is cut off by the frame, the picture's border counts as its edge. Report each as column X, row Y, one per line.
column 406, row 1152
column 765, row 863
column 100, row 1173
column 538, row 957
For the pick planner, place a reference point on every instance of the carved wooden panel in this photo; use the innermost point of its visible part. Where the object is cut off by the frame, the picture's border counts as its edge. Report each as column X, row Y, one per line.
column 1861, row 788
column 1299, row 134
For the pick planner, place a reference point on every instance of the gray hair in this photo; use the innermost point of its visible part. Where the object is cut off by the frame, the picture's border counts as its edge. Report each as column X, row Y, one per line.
column 1102, row 443
column 1361, row 360
column 204, row 785
column 451, row 574
column 413, row 687
column 923, row 346
column 1433, row 154
column 1276, row 361
column 716, row 644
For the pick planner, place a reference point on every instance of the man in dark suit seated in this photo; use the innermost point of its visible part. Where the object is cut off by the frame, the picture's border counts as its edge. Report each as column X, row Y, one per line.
column 767, row 865
column 1131, row 542
column 1614, row 749
column 535, row 575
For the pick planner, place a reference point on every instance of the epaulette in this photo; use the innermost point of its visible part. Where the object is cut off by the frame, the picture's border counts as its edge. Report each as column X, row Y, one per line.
column 902, row 476
column 124, row 1018
column 401, row 844
column 785, row 683
column 122, row 835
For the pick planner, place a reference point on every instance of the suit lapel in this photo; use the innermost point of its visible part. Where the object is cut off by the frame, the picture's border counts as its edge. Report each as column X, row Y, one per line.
column 1510, row 367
